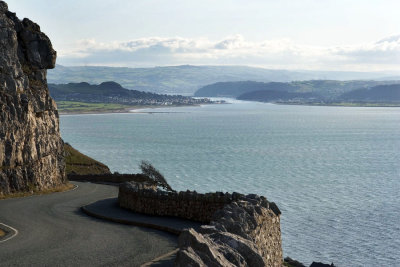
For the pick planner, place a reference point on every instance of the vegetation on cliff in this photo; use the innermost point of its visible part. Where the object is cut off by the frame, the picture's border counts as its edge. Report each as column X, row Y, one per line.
column 78, row 163
column 153, row 174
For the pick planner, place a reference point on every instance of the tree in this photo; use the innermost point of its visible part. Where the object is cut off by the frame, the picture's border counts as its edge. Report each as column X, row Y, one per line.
column 153, row 174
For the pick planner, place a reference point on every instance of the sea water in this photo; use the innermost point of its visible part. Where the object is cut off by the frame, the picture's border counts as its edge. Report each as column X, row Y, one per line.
column 333, row 171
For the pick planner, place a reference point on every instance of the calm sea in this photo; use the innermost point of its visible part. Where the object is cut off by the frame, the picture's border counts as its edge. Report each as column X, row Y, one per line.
column 333, row 171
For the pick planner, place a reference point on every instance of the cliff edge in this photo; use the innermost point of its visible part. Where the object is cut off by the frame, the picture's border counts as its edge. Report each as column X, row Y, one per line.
column 31, row 149
column 239, row 230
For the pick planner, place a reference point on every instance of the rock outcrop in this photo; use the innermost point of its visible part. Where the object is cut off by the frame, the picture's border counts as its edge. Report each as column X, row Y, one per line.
column 239, row 230
column 244, row 233
column 31, row 149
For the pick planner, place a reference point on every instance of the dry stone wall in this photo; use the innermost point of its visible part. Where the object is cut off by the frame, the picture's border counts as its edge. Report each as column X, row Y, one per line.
column 31, row 149
column 188, row 205
column 240, row 231
column 108, row 178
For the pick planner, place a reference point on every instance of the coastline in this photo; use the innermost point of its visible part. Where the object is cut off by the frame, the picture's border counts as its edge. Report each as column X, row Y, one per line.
column 137, row 109
column 347, row 105
column 123, row 110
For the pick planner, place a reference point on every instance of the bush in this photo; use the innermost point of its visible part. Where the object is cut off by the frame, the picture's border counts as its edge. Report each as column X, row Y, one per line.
column 153, row 174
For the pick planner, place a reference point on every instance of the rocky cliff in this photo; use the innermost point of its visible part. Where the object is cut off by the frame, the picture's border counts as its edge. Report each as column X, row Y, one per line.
column 31, row 149
column 245, row 232
column 240, row 230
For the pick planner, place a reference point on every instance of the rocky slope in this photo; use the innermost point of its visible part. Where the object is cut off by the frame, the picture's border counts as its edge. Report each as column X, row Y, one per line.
column 31, row 149
column 244, row 233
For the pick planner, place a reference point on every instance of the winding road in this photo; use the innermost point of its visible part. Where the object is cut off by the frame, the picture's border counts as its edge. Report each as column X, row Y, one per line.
column 52, row 231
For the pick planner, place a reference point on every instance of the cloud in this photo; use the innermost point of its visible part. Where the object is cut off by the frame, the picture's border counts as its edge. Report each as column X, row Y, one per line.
column 234, row 50
column 385, row 51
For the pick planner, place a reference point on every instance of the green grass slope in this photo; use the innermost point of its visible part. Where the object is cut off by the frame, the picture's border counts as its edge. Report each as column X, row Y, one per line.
column 78, row 163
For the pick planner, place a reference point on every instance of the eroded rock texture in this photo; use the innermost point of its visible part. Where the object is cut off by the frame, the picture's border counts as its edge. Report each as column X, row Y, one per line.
column 31, row 149
column 244, row 233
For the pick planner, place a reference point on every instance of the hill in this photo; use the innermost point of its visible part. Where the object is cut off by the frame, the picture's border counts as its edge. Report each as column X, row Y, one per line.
column 112, row 92
column 277, row 96
column 381, row 93
column 187, row 79
column 235, row 89
column 326, row 89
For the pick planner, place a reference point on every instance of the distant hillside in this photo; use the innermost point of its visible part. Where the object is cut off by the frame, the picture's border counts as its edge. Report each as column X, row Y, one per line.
column 235, row 89
column 102, row 92
column 326, row 89
column 277, row 96
column 112, row 92
column 187, row 79
column 381, row 93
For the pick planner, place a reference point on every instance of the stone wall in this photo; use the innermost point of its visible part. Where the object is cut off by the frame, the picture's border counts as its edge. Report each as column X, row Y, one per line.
column 108, row 178
column 188, row 205
column 241, row 230
column 31, row 149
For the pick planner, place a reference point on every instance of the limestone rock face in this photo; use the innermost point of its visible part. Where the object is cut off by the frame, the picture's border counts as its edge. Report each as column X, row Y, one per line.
column 31, row 149
column 244, row 233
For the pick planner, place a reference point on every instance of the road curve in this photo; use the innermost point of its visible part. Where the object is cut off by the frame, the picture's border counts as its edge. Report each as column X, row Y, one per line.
column 52, row 231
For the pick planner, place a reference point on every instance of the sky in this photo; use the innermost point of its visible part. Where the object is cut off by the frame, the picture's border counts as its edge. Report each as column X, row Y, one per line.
column 350, row 35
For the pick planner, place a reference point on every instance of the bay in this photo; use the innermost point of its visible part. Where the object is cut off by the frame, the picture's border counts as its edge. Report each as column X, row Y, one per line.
column 333, row 171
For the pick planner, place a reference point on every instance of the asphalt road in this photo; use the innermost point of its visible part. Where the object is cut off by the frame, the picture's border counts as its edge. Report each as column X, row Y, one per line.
column 52, row 231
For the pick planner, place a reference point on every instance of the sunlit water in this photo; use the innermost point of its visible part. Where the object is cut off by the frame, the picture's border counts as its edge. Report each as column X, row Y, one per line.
column 333, row 171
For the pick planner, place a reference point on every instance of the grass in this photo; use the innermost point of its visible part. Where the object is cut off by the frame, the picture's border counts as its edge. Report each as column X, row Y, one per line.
column 79, row 163
column 82, row 107
column 61, row 188
column 71, row 107
column 2, row 233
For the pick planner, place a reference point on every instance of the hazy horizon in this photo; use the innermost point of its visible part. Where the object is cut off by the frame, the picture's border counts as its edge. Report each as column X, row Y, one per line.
column 383, row 72
column 302, row 35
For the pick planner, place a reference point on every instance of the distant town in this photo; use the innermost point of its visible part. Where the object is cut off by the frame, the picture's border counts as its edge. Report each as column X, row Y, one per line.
column 112, row 97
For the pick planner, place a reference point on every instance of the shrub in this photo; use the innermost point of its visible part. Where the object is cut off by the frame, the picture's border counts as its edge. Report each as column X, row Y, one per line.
column 153, row 174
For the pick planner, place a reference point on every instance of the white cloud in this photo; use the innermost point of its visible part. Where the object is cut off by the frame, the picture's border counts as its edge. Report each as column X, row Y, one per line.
column 385, row 51
column 235, row 50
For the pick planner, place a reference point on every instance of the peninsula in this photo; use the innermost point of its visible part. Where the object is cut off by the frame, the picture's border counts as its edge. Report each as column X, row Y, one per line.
column 112, row 97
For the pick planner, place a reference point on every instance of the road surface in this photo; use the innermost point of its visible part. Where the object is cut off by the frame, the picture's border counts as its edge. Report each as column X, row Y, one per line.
column 52, row 231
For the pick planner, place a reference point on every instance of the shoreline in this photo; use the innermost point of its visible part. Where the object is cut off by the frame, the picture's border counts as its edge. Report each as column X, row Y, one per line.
column 136, row 109
column 345, row 105
column 132, row 109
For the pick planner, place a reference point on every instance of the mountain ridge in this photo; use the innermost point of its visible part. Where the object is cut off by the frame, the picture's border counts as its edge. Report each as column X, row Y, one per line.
column 186, row 79
column 326, row 89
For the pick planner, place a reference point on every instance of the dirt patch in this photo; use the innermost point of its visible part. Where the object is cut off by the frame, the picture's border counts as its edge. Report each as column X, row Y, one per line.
column 2, row 233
